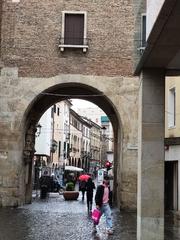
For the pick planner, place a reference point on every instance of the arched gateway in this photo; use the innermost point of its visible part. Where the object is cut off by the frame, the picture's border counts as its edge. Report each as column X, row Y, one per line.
column 30, row 98
column 35, row 46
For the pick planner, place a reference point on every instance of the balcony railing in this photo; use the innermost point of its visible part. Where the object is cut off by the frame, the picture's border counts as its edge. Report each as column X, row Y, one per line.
column 141, row 45
column 73, row 43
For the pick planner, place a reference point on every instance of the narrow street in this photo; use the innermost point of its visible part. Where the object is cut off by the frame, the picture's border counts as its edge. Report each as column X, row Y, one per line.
column 56, row 219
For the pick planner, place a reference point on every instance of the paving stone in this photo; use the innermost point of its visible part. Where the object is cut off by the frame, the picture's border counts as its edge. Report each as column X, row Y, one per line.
column 57, row 219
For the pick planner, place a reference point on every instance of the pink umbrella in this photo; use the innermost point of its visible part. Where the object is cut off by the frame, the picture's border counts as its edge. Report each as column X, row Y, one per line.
column 84, row 177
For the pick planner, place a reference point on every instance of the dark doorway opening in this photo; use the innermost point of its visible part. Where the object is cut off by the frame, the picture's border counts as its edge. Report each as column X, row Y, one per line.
column 171, row 185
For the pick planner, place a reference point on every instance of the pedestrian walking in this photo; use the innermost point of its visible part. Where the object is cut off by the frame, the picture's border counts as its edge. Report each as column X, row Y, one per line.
column 102, row 203
column 45, row 185
column 82, row 188
column 90, row 186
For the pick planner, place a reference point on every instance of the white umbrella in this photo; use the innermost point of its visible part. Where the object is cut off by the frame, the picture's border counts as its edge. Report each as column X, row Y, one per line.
column 72, row 168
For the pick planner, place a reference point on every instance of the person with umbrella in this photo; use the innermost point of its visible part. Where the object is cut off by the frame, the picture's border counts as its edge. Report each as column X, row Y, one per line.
column 82, row 184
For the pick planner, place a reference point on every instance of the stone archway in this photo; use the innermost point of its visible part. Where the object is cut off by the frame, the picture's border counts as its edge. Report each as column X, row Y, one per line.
column 62, row 92
column 32, row 96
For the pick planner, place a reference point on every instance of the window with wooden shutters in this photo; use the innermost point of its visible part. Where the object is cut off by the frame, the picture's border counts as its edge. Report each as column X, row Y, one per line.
column 172, row 108
column 74, row 30
column 143, row 30
column 142, row 41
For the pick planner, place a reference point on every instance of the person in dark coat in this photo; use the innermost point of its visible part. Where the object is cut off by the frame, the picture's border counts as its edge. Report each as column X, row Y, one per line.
column 45, row 185
column 82, row 188
column 90, row 186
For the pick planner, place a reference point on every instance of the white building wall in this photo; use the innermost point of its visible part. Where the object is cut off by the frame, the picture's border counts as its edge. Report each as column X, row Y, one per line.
column 58, row 131
column 86, row 139
column 110, row 142
column 108, row 132
column 43, row 142
column 62, row 128
column 75, row 144
column 173, row 153
column 153, row 9
column 65, row 126
column 110, row 157
column 94, row 114
column 62, row 135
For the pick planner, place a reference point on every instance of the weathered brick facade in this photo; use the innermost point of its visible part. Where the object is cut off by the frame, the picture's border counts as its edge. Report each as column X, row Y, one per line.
column 31, row 32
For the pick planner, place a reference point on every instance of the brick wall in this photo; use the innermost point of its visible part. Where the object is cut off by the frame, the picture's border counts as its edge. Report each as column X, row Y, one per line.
column 0, row 18
column 31, row 31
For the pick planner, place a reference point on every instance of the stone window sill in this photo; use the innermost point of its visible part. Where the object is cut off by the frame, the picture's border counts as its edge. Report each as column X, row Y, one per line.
column 63, row 46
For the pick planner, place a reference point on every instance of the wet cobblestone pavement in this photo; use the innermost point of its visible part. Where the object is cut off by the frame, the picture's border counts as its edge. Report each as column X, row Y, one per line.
column 56, row 219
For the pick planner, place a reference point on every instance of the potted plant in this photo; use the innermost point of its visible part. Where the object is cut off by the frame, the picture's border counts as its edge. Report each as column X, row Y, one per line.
column 70, row 186
column 70, row 193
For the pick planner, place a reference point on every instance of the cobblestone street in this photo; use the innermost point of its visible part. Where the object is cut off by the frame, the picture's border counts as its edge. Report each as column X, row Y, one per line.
column 56, row 219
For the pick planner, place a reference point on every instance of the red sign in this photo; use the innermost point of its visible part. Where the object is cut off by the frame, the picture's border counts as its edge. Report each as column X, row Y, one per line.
column 108, row 164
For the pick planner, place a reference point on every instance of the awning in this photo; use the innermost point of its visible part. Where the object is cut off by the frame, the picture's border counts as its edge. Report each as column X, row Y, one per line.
column 73, row 169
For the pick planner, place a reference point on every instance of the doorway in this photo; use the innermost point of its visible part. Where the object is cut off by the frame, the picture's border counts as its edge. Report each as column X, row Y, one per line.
column 171, row 185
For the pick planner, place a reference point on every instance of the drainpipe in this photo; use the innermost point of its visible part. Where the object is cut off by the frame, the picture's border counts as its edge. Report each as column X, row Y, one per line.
column 52, row 133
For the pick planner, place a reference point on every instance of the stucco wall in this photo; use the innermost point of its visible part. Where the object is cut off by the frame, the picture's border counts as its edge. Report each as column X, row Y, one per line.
column 43, row 141
column 153, row 9
column 172, row 82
